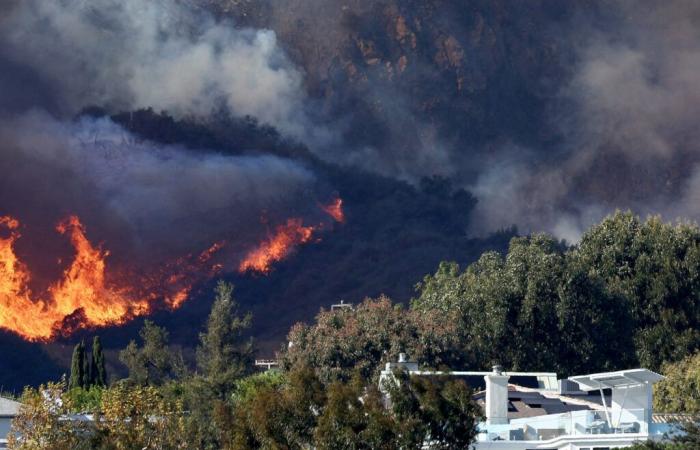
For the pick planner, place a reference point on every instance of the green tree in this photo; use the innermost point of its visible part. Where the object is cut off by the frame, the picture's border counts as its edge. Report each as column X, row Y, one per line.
column 433, row 411
column 354, row 418
column 506, row 307
column 596, row 330
column 655, row 266
column 87, row 369
column 39, row 424
column 99, row 370
column 140, row 417
column 154, row 362
column 223, row 355
column 77, row 366
column 270, row 414
column 344, row 341
column 680, row 391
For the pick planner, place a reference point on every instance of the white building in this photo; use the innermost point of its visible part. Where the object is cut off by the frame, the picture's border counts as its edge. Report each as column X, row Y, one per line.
column 535, row 411
column 8, row 410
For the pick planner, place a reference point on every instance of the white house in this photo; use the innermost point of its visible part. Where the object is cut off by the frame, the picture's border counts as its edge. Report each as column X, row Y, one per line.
column 536, row 411
column 8, row 410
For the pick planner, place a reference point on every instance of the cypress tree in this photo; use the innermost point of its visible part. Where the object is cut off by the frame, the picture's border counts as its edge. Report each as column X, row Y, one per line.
column 87, row 369
column 99, row 371
column 77, row 366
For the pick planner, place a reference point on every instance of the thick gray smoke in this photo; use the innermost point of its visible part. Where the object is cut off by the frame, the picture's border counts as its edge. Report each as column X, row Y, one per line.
column 153, row 202
column 630, row 129
column 127, row 54
column 624, row 105
column 148, row 201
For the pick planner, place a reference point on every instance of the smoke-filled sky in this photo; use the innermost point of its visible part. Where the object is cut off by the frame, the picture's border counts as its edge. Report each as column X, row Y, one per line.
column 151, row 201
column 144, row 195
column 624, row 114
column 629, row 126
column 132, row 54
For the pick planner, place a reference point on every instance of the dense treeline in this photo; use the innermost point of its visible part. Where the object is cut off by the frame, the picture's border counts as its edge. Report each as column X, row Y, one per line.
column 626, row 295
column 221, row 404
column 395, row 232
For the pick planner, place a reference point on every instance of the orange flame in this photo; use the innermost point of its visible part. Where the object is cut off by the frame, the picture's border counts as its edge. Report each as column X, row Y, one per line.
column 285, row 239
column 82, row 298
column 276, row 247
column 335, row 210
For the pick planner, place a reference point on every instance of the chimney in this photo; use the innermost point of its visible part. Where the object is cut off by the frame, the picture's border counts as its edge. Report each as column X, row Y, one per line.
column 496, row 409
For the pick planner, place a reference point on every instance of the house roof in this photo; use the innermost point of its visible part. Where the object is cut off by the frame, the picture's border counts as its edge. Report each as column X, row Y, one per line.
column 475, row 380
column 531, row 402
column 622, row 378
column 9, row 407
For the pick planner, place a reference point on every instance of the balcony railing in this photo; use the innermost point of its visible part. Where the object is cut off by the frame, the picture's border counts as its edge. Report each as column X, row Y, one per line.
column 575, row 423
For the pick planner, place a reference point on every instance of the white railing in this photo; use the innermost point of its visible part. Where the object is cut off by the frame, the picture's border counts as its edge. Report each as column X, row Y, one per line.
column 575, row 423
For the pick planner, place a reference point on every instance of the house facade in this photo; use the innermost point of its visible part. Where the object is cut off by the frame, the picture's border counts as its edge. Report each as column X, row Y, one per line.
column 537, row 411
column 8, row 411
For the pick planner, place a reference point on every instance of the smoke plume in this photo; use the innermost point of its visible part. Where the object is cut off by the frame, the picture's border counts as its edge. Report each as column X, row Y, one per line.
column 617, row 86
column 627, row 117
column 153, row 202
column 127, row 54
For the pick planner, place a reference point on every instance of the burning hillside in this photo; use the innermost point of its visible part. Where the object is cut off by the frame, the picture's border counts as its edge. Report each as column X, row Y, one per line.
column 88, row 295
column 286, row 237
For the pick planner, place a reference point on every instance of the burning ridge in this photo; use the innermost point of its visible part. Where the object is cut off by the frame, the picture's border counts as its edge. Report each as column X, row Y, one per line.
column 285, row 239
column 85, row 297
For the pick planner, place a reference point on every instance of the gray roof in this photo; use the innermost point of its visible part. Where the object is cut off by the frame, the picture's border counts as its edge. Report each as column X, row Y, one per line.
column 9, row 407
column 529, row 402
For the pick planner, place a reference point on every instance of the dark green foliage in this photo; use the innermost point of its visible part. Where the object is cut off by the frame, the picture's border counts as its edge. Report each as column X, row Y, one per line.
column 354, row 418
column 596, row 331
column 297, row 411
column 224, row 355
column 87, row 369
column 627, row 295
column 655, row 267
column 154, row 362
column 679, row 392
column 270, row 414
column 346, row 341
column 686, row 437
column 435, row 411
column 77, row 366
column 99, row 370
